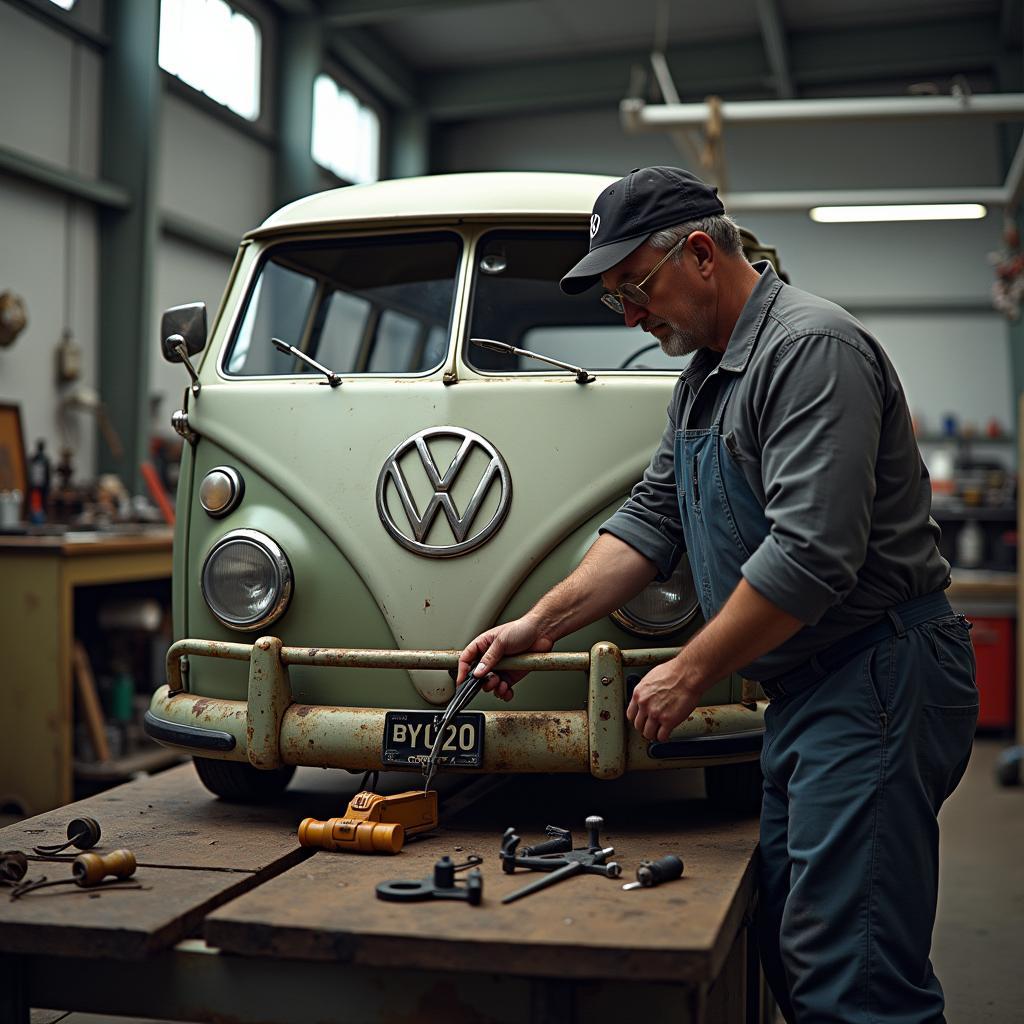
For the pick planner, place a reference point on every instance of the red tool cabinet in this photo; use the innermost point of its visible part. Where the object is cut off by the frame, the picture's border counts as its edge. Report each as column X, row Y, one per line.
column 995, row 650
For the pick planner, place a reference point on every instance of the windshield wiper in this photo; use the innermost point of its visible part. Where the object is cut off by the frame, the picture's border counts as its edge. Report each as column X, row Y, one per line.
column 582, row 376
column 333, row 378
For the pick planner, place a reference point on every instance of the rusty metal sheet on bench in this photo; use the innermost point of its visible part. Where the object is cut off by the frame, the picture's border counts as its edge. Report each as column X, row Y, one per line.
column 585, row 927
column 213, row 852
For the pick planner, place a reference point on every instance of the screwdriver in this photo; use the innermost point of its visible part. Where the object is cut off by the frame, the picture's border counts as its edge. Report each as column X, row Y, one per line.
column 653, row 872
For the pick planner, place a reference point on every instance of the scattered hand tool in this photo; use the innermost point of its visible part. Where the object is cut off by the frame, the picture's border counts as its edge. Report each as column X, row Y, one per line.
column 373, row 823
column 83, row 834
column 463, row 695
column 564, row 863
column 13, row 867
column 88, row 871
column 653, row 872
column 440, row 886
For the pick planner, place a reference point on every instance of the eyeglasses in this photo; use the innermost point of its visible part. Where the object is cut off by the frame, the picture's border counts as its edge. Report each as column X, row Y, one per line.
column 635, row 292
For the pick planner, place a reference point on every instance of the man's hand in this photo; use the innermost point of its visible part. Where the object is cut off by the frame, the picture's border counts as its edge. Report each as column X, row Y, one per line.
column 661, row 700
column 494, row 644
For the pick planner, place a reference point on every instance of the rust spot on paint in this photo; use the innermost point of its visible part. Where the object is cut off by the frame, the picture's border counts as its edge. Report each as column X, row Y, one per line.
column 200, row 706
column 426, row 604
column 302, row 710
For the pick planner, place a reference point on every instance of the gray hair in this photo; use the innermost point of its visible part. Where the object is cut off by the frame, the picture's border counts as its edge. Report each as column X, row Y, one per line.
column 721, row 229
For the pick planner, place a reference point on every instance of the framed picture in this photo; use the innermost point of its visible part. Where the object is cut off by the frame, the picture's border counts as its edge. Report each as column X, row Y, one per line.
column 13, row 469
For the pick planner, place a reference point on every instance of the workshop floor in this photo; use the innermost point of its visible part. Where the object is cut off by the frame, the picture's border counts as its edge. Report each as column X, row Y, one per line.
column 977, row 948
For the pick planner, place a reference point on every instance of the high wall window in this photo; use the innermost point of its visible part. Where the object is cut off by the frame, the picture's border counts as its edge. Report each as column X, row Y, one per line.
column 215, row 49
column 346, row 133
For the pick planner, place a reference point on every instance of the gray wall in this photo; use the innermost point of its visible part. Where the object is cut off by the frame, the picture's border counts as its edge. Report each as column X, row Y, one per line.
column 48, row 243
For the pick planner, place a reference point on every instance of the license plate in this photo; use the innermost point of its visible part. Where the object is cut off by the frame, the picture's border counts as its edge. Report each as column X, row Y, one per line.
column 409, row 735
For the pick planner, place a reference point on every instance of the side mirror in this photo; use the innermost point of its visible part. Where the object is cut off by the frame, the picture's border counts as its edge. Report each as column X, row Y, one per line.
column 186, row 322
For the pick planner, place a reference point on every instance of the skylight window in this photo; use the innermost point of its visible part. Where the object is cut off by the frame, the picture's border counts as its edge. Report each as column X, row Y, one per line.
column 215, row 49
column 346, row 133
column 65, row 5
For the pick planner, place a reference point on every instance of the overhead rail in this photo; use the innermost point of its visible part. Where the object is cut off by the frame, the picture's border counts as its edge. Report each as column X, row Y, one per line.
column 639, row 116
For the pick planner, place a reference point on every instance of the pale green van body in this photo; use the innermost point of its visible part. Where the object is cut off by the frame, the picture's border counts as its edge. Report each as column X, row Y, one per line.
column 311, row 457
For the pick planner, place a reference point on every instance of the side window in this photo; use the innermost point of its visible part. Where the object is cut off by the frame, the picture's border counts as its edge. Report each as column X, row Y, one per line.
column 343, row 330
column 278, row 308
column 397, row 341
column 356, row 305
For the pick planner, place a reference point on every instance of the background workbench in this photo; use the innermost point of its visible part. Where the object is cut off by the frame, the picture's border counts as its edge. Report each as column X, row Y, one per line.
column 40, row 575
column 237, row 921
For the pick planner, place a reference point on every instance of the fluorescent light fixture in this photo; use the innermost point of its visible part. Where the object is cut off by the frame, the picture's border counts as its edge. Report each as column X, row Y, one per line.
column 918, row 211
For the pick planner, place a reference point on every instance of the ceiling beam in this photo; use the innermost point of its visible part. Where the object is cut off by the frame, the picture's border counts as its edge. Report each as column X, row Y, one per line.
column 343, row 13
column 593, row 81
column 736, row 68
column 379, row 67
column 774, row 34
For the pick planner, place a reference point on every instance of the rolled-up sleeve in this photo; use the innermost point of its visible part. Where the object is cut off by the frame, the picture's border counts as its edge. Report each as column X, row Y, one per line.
column 819, row 423
column 649, row 520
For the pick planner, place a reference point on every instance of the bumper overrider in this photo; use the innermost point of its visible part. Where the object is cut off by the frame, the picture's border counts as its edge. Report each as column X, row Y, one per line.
column 269, row 729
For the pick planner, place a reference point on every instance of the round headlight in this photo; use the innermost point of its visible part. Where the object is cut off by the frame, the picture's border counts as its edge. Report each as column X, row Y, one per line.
column 661, row 608
column 247, row 580
column 221, row 491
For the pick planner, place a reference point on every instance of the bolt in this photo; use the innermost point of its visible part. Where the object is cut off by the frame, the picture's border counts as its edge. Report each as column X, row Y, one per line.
column 606, row 680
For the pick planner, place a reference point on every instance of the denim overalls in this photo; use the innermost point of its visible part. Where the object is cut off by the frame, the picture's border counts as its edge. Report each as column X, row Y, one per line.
column 856, row 766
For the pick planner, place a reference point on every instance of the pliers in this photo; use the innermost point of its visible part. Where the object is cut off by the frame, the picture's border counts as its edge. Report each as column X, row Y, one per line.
column 463, row 695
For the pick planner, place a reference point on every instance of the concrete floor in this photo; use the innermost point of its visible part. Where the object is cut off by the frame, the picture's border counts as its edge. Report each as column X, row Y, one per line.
column 978, row 945
column 978, row 948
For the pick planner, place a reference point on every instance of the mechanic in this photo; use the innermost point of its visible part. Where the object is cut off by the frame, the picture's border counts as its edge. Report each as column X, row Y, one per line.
column 789, row 473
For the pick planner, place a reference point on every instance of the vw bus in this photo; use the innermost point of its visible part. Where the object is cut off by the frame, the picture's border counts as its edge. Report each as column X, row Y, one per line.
column 399, row 432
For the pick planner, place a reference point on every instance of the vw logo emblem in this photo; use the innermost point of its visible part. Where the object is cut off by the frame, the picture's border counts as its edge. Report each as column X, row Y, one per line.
column 595, row 224
column 395, row 495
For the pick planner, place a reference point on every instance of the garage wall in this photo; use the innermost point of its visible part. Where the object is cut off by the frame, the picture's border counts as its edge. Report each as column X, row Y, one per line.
column 49, row 243
column 924, row 288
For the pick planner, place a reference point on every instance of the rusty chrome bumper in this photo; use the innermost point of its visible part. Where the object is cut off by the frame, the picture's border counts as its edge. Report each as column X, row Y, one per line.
column 269, row 730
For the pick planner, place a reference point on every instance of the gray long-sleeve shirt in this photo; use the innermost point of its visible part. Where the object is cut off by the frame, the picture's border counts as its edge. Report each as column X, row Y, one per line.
column 819, row 424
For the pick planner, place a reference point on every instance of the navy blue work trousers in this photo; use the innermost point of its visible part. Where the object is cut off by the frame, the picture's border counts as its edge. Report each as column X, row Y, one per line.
column 855, row 770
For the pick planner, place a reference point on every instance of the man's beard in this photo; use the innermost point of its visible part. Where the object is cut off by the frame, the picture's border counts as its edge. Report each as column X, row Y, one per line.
column 681, row 341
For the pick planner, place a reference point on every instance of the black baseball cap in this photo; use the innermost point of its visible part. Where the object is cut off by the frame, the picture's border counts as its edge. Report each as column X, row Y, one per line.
column 631, row 209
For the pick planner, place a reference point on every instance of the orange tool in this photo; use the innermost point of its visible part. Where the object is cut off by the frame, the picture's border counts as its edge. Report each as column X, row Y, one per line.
column 373, row 823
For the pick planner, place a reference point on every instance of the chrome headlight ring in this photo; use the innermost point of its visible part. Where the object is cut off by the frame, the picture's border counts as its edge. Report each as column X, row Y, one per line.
column 661, row 609
column 262, row 579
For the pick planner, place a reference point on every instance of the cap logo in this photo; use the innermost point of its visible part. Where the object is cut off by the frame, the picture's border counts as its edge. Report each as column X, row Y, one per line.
column 595, row 224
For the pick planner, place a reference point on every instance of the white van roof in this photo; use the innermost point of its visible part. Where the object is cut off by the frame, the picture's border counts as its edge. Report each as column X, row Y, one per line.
column 443, row 197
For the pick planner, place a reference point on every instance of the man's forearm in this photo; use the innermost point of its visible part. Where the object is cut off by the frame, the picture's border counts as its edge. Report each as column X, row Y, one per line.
column 610, row 574
column 748, row 626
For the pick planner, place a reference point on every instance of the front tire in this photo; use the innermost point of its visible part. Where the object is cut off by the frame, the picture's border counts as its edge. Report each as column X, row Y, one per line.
column 239, row 782
column 735, row 787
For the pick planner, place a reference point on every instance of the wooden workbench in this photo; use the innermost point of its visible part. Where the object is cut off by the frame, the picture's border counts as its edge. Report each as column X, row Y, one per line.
column 40, row 575
column 236, row 921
